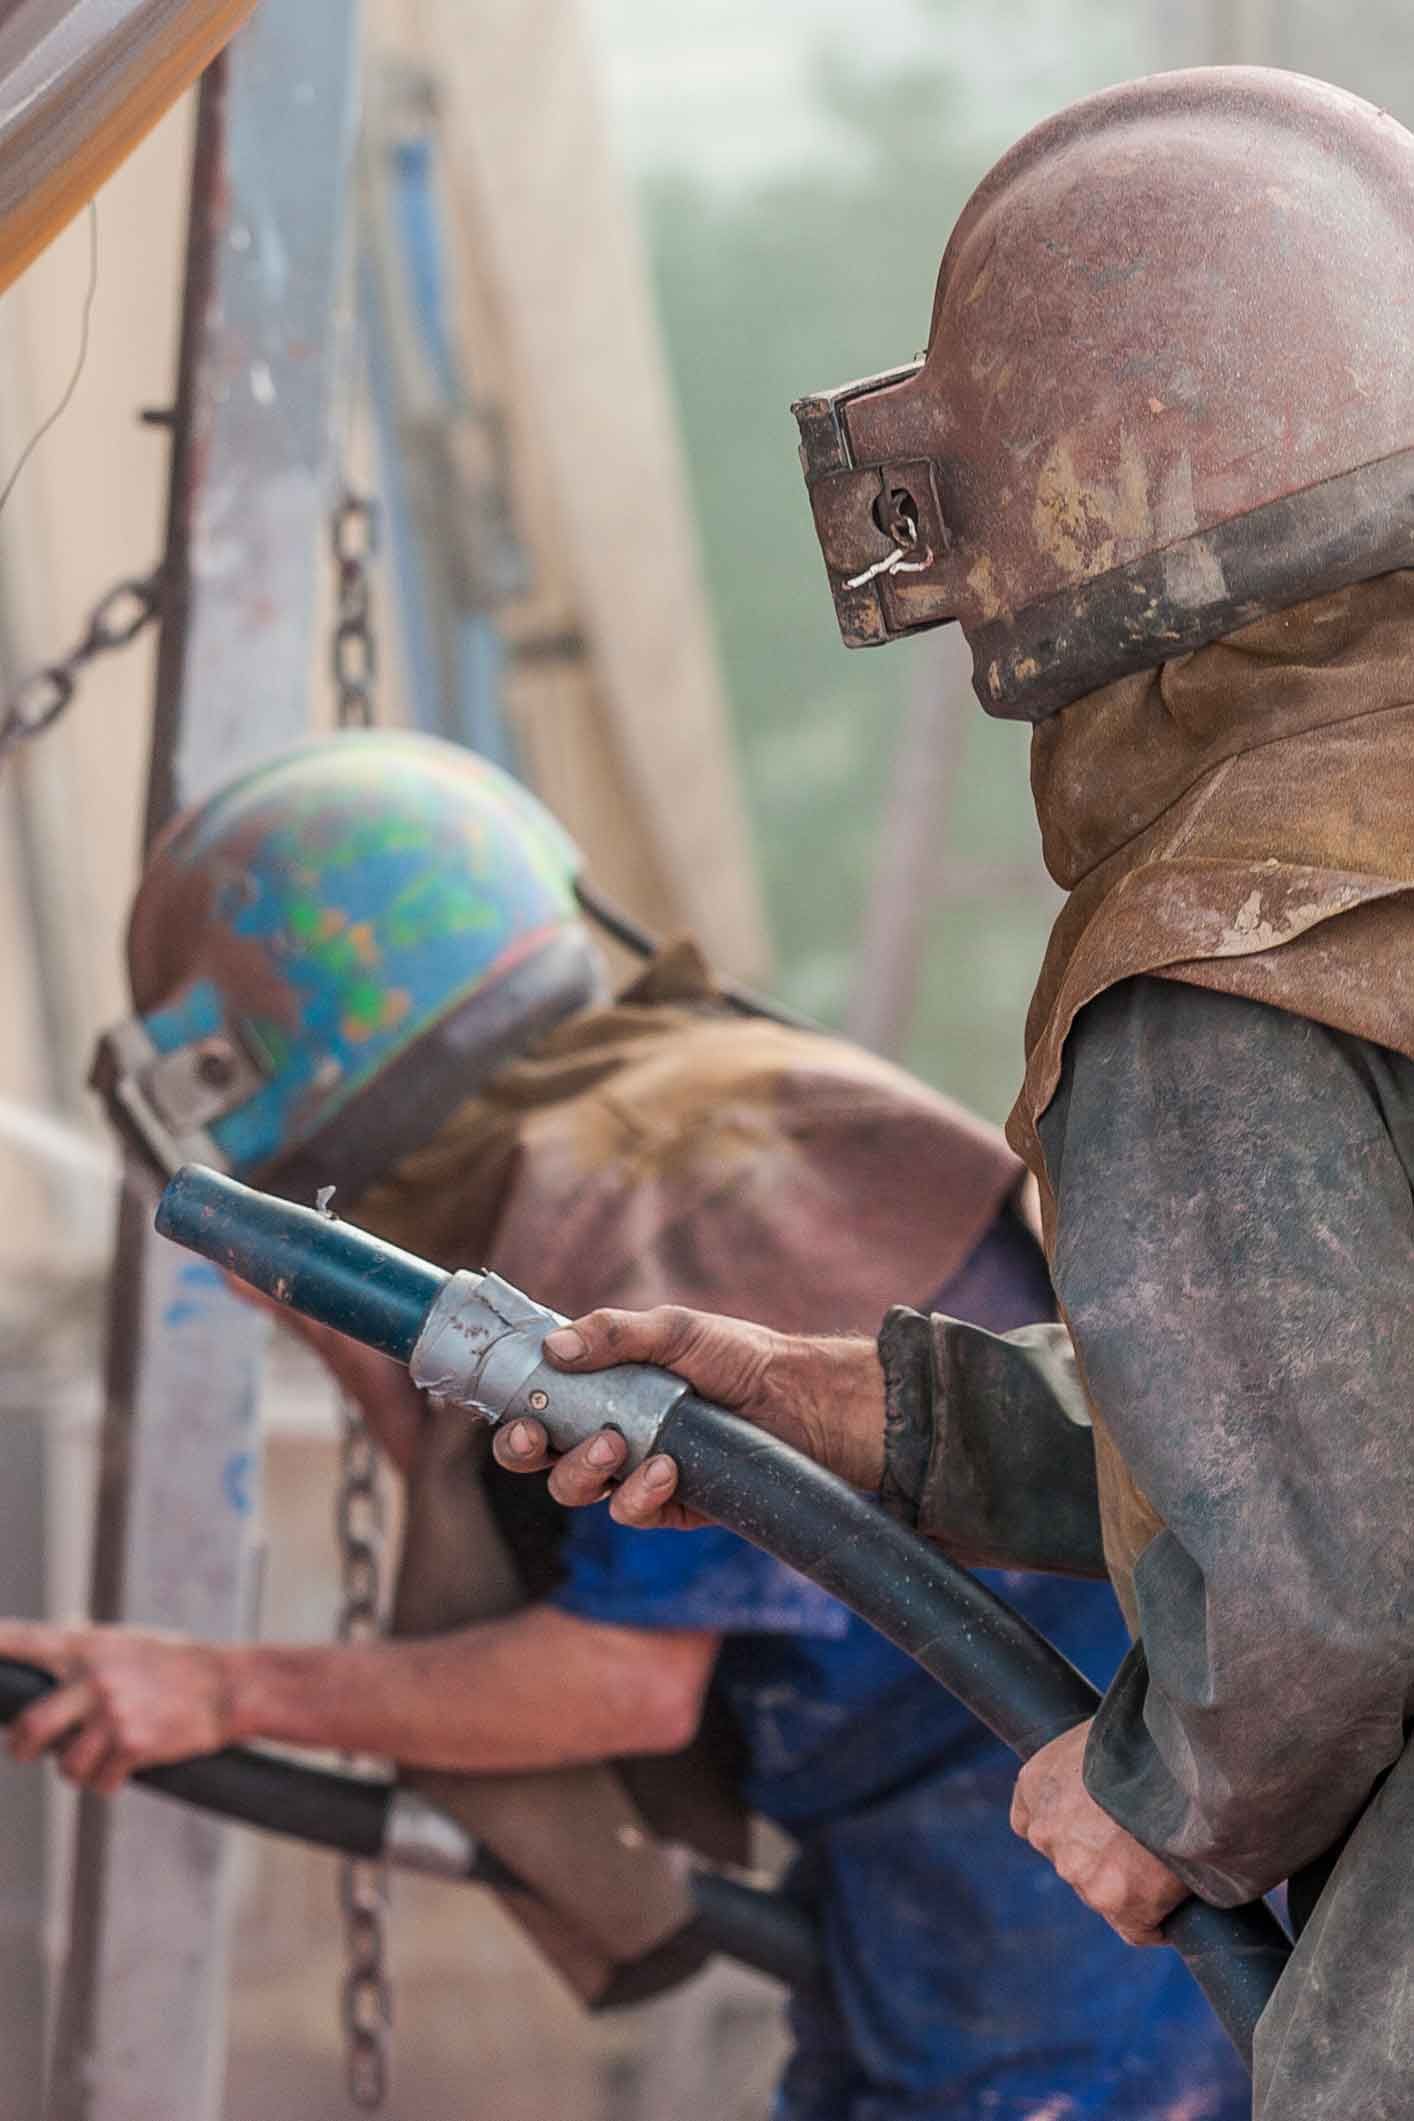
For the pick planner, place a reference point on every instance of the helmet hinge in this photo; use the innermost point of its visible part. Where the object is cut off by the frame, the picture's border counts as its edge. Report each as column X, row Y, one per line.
column 885, row 543
column 165, row 1102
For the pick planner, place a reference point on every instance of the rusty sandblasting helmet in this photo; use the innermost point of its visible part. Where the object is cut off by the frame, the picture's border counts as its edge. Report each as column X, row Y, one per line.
column 1169, row 387
column 333, row 951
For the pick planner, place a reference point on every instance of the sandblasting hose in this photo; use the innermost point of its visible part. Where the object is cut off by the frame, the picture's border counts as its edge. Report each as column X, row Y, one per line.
column 375, row 1821
column 476, row 1340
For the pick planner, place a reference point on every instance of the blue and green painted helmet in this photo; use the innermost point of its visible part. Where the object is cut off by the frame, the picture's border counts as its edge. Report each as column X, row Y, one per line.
column 333, row 951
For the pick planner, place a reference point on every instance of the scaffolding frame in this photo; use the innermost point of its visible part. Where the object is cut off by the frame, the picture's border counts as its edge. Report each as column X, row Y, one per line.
column 141, row 2020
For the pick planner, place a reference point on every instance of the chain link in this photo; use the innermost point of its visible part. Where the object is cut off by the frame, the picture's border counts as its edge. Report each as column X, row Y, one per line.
column 367, row 2002
column 42, row 696
column 367, row 1996
column 360, row 1527
column 354, row 650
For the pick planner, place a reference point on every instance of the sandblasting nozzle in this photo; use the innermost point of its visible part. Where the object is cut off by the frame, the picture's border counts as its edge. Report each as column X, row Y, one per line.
column 470, row 1338
column 483, row 1347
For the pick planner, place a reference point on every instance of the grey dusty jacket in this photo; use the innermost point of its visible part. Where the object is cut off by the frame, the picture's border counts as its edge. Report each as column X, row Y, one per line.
column 1234, row 1251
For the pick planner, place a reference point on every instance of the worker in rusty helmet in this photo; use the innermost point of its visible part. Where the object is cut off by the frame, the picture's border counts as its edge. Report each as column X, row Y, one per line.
column 1158, row 461
column 363, row 964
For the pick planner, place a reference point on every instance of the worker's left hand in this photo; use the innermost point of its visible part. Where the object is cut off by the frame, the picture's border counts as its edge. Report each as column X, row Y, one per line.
column 1112, row 1872
column 126, row 1699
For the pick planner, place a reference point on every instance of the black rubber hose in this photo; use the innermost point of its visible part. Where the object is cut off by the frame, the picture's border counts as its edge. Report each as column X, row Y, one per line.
column 981, row 1650
column 764, row 1930
column 336, row 1812
column 985, row 1654
column 349, row 1817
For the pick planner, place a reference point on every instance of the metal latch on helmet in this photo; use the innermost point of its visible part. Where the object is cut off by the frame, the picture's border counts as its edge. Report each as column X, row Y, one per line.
column 482, row 1347
column 165, row 1102
column 884, row 540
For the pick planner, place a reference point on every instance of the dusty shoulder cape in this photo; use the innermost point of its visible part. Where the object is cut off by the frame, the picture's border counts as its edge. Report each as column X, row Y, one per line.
column 662, row 1149
column 666, row 1149
column 1241, row 819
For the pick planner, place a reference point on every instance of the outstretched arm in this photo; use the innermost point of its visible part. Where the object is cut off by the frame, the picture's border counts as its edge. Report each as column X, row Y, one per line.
column 537, row 1689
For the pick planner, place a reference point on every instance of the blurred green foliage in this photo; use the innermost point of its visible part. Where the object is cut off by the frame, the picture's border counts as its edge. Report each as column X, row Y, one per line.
column 802, row 281
column 805, row 280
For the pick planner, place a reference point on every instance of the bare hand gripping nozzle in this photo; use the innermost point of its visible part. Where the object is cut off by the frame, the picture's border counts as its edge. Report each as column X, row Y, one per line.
column 478, row 1342
column 468, row 1338
column 482, row 1345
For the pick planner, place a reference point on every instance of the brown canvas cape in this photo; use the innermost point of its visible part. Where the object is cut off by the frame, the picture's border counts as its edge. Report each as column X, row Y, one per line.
column 1241, row 819
column 660, row 1149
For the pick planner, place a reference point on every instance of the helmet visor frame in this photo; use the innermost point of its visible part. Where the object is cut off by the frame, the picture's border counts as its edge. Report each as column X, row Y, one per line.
column 878, row 518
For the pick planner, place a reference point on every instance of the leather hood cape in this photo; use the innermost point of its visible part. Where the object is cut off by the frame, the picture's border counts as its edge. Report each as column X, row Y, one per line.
column 1242, row 819
column 661, row 1148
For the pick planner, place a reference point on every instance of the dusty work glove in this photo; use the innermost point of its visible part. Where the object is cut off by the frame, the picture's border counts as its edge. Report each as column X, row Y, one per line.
column 1112, row 1872
column 125, row 1699
column 825, row 1397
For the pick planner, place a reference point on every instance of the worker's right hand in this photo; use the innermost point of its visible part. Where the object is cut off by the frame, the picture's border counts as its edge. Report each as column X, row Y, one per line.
column 826, row 1397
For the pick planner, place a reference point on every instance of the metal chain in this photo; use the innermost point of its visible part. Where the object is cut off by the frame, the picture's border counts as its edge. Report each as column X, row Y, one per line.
column 40, row 698
column 354, row 652
column 367, row 1994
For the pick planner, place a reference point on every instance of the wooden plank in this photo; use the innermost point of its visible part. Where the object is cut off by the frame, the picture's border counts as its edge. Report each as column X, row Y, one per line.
column 628, row 733
column 81, row 83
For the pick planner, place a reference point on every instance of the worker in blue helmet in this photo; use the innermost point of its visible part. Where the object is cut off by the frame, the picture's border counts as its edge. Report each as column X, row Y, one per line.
column 364, row 965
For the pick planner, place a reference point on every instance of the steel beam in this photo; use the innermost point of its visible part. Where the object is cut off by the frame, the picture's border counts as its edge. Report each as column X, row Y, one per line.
column 456, row 556
column 141, row 2033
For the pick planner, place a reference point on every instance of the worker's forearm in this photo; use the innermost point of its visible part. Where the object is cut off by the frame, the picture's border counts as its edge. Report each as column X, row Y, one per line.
column 1233, row 1242
column 536, row 1690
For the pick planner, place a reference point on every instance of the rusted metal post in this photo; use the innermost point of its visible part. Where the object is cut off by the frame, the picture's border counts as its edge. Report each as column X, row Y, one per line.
column 141, row 2031
column 26, row 1394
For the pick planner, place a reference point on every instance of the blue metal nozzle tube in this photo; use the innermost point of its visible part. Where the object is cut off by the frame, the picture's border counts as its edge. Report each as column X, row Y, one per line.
column 325, row 1269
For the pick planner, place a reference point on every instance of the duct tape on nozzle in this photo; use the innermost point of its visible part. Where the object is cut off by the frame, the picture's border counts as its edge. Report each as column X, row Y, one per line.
column 483, row 1347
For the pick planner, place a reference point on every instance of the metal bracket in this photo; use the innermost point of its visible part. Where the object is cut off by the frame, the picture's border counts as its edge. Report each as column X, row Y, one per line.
column 881, row 527
column 165, row 1102
column 419, row 1837
column 885, row 543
